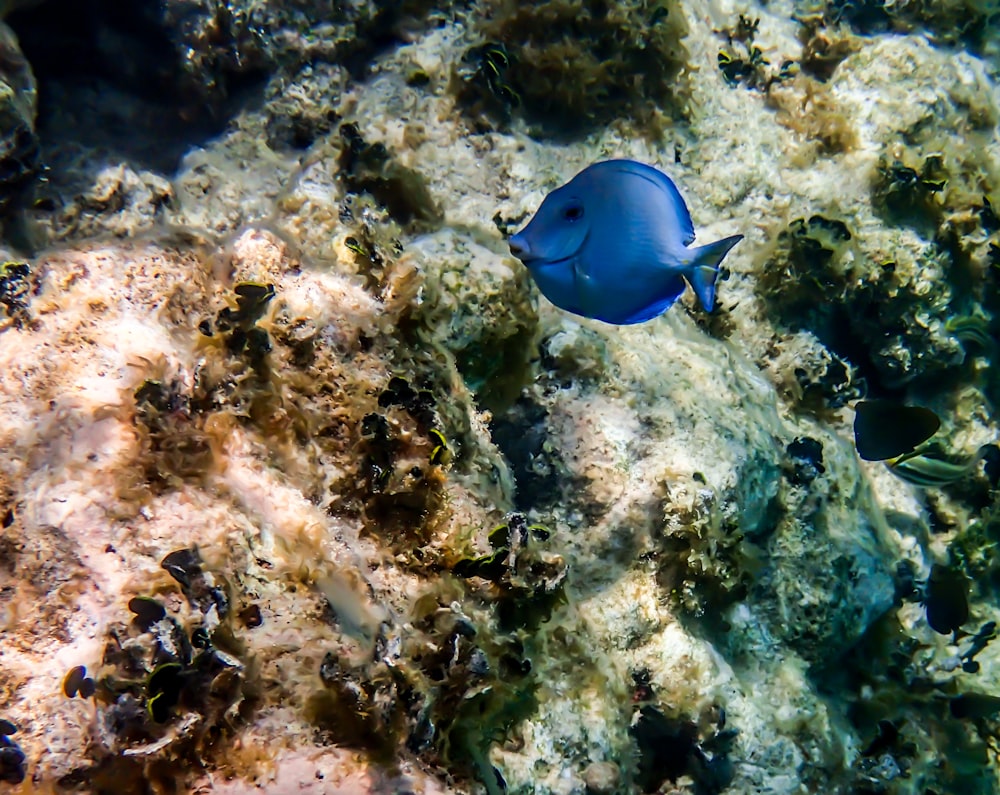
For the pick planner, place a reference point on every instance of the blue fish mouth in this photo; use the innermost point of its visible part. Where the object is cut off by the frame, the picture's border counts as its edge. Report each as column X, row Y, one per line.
column 541, row 261
column 530, row 259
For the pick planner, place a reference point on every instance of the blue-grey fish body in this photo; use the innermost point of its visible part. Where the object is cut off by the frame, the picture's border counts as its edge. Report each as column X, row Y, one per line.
column 612, row 244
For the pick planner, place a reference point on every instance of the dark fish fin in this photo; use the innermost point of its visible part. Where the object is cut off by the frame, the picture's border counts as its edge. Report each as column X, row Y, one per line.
column 704, row 268
column 884, row 429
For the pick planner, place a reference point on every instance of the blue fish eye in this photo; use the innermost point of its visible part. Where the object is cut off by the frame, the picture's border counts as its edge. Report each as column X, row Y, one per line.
column 573, row 212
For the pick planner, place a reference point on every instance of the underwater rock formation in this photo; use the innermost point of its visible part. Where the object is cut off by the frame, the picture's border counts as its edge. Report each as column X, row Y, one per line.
column 570, row 66
column 173, row 465
column 306, row 486
column 19, row 160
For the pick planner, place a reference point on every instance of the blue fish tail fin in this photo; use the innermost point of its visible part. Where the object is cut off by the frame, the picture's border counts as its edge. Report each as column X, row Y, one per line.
column 704, row 268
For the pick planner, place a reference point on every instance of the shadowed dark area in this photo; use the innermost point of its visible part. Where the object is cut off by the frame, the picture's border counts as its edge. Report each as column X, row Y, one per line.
column 110, row 78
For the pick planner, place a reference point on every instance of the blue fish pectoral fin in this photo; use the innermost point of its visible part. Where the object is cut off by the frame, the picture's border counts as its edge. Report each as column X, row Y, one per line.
column 589, row 296
column 704, row 268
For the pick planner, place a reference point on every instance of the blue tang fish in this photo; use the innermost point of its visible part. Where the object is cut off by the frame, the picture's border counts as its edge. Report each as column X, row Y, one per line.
column 612, row 244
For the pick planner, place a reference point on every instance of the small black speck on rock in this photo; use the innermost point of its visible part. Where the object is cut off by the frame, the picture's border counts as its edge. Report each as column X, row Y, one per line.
column 12, row 766
column 182, row 565
column 77, row 683
column 806, row 456
column 251, row 617
column 147, row 611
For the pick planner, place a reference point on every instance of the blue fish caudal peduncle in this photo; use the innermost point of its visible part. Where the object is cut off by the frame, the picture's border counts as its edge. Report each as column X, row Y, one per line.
column 612, row 244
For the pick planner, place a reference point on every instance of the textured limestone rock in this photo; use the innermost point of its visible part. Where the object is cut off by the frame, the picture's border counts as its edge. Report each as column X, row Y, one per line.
column 310, row 357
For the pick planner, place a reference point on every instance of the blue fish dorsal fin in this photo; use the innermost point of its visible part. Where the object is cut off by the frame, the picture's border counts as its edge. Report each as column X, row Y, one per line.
column 664, row 183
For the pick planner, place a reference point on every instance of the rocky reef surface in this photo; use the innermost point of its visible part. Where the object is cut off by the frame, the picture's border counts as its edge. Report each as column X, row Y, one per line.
column 305, row 488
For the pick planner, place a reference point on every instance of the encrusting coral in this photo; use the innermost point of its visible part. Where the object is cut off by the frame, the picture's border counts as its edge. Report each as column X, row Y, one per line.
column 574, row 65
column 306, row 488
column 180, row 420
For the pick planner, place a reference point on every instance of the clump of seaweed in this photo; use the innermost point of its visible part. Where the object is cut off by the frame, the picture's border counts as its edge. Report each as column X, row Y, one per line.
column 175, row 445
column 373, row 244
column 705, row 561
column 238, row 327
column 803, row 104
column 572, row 65
column 908, row 695
column 974, row 548
column 370, row 168
column 811, row 279
column 440, row 686
column 181, row 419
column 966, row 22
column 253, row 370
column 404, row 458
column 497, row 366
column 489, row 324
column 808, row 263
column 671, row 747
column 521, row 434
column 171, row 684
column 481, row 85
column 824, row 48
column 15, row 291
column 807, row 107
column 529, row 579
column 294, row 124
column 942, row 194
column 911, row 193
column 743, row 63
column 814, row 379
column 441, row 691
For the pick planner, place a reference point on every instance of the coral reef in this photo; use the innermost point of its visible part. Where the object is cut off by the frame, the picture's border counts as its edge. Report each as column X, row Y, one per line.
column 569, row 65
column 966, row 22
column 153, row 449
column 306, row 488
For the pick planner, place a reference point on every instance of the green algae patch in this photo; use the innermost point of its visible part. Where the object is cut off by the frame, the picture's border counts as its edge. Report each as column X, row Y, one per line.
column 969, row 23
column 445, row 688
column 171, row 684
column 405, row 456
column 528, row 578
column 570, row 66
column 907, row 193
column 816, row 275
column 807, row 263
column 370, row 168
column 15, row 291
